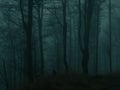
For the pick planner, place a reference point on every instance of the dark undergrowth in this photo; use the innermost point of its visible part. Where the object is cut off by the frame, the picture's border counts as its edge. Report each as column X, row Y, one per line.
column 75, row 81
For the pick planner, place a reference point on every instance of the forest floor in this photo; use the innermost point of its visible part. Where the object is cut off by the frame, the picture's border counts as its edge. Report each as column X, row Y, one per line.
column 76, row 81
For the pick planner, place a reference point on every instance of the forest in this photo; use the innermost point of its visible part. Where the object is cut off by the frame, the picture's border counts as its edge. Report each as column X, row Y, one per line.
column 59, row 45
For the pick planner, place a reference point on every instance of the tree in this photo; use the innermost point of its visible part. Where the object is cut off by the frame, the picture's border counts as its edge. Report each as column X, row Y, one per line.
column 28, row 26
column 110, row 36
column 70, row 33
column 89, row 4
column 79, row 24
column 40, row 6
column 97, row 34
column 79, row 28
column 64, row 7
column 29, row 39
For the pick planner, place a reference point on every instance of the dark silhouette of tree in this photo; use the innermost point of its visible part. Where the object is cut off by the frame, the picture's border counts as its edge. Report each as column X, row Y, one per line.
column 29, row 39
column 110, row 36
column 97, row 34
column 88, row 12
column 28, row 26
column 40, row 6
column 70, row 34
column 64, row 7
column 79, row 25
column 80, row 47
column 35, row 57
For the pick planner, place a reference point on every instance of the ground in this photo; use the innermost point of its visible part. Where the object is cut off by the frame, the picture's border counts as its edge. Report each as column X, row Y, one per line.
column 75, row 81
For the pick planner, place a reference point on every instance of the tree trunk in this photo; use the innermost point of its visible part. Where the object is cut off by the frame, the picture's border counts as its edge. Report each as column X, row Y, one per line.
column 79, row 26
column 89, row 4
column 40, row 21
column 64, row 3
column 97, row 35
column 110, row 37
column 27, row 26
column 29, row 40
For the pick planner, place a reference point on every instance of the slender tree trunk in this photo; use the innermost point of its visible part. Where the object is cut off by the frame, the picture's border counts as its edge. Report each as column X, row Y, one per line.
column 40, row 21
column 110, row 36
column 29, row 39
column 58, row 54
column 89, row 4
column 70, row 35
column 85, row 51
column 79, row 26
column 97, row 35
column 79, row 30
column 24, row 23
column 70, row 43
column 35, row 57
column 64, row 3
column 28, row 31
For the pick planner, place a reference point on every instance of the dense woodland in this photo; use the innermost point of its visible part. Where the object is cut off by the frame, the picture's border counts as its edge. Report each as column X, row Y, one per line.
column 45, row 38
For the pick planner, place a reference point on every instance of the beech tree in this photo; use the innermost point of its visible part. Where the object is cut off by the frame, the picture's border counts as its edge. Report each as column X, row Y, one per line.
column 88, row 12
column 110, row 36
column 64, row 7
column 28, row 30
